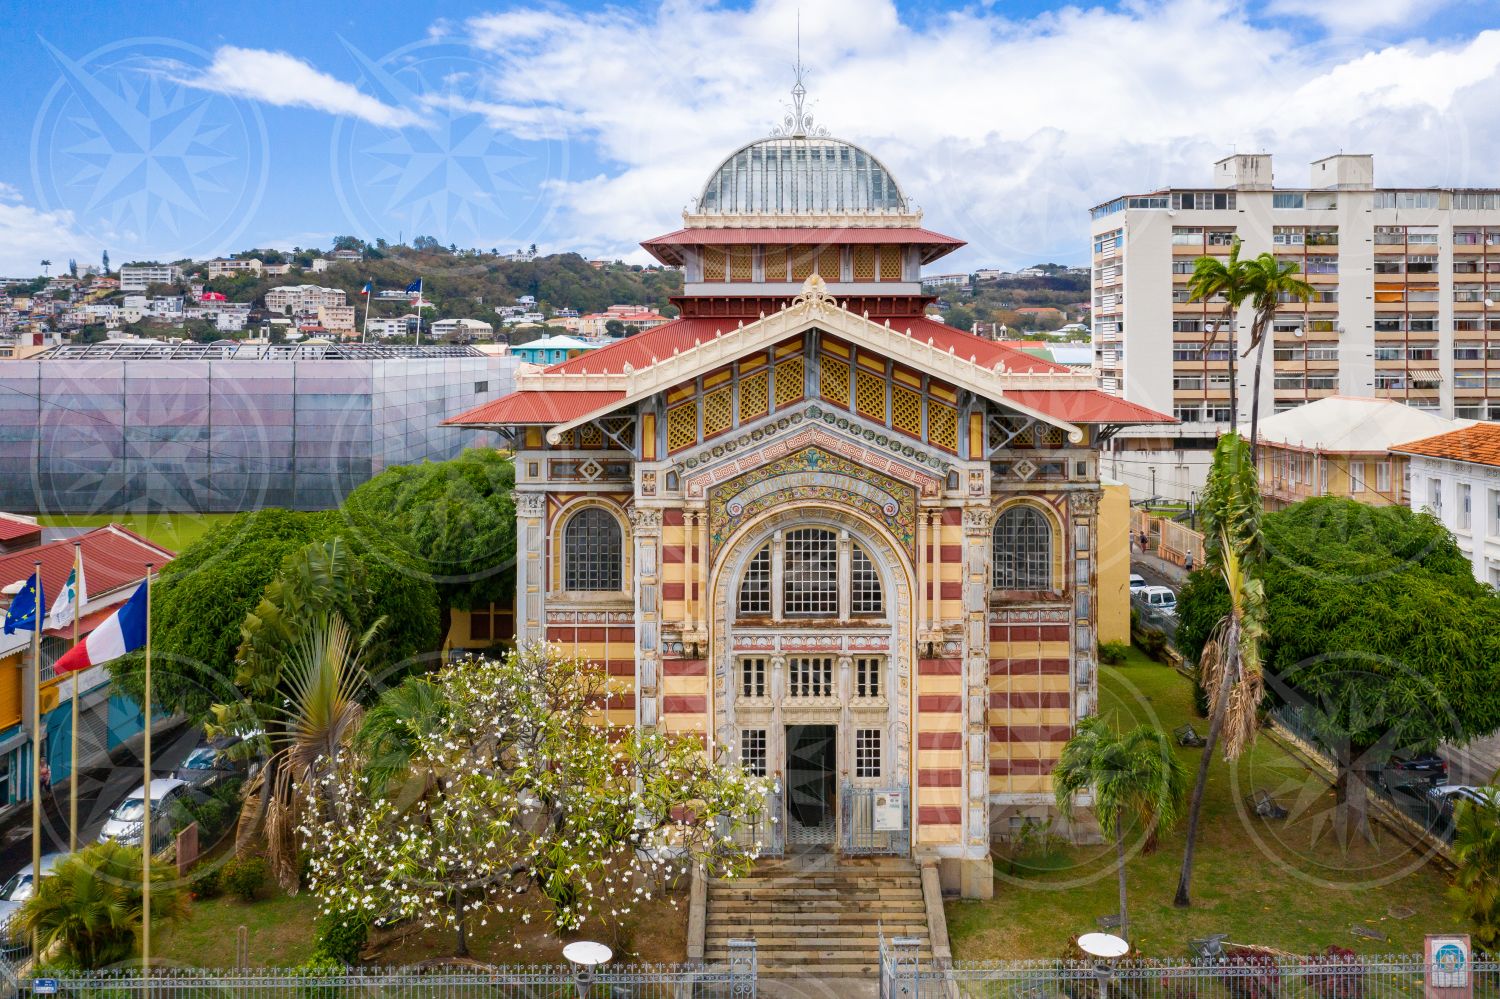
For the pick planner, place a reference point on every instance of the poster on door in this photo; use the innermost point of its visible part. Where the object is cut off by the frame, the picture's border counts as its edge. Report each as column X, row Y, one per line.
column 890, row 811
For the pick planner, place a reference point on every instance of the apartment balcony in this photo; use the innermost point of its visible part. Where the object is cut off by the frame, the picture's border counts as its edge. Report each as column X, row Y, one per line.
column 1469, row 307
column 1320, row 279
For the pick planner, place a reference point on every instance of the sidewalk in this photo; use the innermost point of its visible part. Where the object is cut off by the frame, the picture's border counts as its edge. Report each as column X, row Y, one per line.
column 1175, row 574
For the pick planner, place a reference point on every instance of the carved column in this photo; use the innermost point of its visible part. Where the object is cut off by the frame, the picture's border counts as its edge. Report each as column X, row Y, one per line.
column 1083, row 509
column 645, row 528
column 978, row 553
column 531, row 567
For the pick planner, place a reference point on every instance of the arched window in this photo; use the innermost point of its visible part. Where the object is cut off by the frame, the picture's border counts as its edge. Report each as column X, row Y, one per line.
column 864, row 584
column 593, row 551
column 811, row 574
column 1023, row 550
column 755, row 588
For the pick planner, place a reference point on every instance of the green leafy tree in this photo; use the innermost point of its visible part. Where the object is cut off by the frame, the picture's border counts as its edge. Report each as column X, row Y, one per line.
column 1136, row 779
column 90, row 907
column 494, row 787
column 614, row 327
column 458, row 518
column 1476, row 854
column 1228, row 280
column 1344, row 589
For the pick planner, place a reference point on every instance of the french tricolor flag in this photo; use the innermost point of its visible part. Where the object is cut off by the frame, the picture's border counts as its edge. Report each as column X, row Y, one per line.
column 123, row 631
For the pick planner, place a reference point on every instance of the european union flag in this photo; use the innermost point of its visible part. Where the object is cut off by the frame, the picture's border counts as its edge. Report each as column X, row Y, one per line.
column 415, row 287
column 22, row 614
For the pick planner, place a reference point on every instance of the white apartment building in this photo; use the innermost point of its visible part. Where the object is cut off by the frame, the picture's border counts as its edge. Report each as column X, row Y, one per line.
column 289, row 298
column 1401, row 309
column 1456, row 476
column 137, row 277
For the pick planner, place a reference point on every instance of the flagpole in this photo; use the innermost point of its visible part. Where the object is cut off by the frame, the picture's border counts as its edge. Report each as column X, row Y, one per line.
column 419, row 312
column 73, row 745
column 146, row 798
column 364, row 334
column 36, row 740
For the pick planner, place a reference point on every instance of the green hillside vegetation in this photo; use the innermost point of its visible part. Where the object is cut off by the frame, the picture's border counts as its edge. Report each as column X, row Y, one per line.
column 996, row 300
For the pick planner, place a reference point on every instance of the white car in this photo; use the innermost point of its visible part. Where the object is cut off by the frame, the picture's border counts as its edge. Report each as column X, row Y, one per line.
column 19, row 888
column 124, row 824
column 1160, row 598
column 1137, row 584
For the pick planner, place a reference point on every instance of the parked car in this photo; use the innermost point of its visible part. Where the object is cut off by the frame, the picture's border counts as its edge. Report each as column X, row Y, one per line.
column 124, row 825
column 1443, row 798
column 1137, row 584
column 1414, row 769
column 18, row 889
column 1159, row 598
column 210, row 761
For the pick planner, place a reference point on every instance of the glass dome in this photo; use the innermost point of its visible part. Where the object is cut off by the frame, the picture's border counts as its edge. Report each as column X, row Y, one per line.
column 799, row 175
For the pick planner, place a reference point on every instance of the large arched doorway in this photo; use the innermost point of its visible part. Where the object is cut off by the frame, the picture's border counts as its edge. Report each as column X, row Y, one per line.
column 812, row 645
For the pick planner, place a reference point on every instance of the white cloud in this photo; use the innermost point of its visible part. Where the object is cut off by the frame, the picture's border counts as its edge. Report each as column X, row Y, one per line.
column 1005, row 130
column 28, row 236
column 1345, row 16
column 286, row 81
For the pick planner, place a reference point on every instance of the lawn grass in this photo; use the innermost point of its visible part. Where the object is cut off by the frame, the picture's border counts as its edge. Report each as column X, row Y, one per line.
column 174, row 531
column 282, row 932
column 1289, row 885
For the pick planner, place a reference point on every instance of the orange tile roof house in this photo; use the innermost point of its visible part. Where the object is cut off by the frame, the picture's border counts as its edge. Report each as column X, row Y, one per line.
column 1456, row 477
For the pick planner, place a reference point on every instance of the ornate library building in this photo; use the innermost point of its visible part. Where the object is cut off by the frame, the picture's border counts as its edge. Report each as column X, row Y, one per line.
column 849, row 545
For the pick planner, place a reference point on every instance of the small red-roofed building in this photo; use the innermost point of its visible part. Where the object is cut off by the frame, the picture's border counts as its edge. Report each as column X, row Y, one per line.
column 1456, row 477
column 833, row 538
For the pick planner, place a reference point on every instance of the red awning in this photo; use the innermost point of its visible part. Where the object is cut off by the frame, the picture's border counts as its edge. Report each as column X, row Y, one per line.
column 1084, row 406
column 543, row 409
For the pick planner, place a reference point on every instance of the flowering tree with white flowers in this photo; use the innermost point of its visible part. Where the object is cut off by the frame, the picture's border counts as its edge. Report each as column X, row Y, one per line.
column 495, row 787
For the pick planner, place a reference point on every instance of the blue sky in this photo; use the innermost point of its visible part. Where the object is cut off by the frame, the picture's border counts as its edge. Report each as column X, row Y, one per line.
column 161, row 130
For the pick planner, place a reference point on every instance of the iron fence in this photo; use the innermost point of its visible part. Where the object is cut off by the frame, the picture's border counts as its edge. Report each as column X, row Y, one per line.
column 1244, row 976
column 876, row 820
column 734, row 980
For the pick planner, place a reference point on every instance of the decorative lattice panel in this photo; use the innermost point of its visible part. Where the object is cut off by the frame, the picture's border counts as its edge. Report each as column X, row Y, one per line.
column 906, row 410
column 755, row 395
column 830, row 264
column 1026, row 437
column 1051, row 437
column 790, row 374
column 682, row 426
column 833, row 378
column 742, row 263
column 802, row 263
column 713, row 263
column 890, row 263
column 775, row 263
column 718, row 411
column 869, row 395
column 864, row 263
column 942, row 426
column 590, row 436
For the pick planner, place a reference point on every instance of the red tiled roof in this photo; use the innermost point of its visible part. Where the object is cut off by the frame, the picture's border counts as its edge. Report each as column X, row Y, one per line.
column 113, row 557
column 1084, row 406
column 683, row 334
column 535, row 408
column 663, row 248
column 1478, row 444
column 13, row 529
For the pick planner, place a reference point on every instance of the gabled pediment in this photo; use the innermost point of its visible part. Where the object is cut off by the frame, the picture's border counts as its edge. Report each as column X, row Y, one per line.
column 814, row 309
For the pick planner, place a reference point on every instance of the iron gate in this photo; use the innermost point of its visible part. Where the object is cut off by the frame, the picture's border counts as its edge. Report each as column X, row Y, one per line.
column 876, row 819
column 766, row 828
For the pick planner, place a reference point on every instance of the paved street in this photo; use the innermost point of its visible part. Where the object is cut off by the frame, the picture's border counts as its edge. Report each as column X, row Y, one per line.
column 100, row 789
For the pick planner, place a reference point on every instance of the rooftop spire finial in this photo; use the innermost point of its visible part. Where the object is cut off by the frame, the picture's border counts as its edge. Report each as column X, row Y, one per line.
column 798, row 122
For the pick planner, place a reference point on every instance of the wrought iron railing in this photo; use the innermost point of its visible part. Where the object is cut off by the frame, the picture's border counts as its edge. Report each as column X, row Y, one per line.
column 876, row 819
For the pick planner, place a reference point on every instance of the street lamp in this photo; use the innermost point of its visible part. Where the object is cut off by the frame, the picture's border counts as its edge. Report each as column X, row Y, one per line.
column 585, row 956
column 1106, row 947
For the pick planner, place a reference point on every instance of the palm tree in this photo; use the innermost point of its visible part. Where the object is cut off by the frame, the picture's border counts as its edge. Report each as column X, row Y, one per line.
column 1136, row 777
column 89, row 906
column 1229, row 668
column 1229, row 280
column 1271, row 282
column 1476, row 852
column 324, row 676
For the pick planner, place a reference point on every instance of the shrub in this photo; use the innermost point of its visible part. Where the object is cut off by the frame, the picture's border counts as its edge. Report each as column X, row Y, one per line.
column 207, row 882
column 310, row 974
column 341, row 937
column 1113, row 653
column 1154, row 641
column 245, row 876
